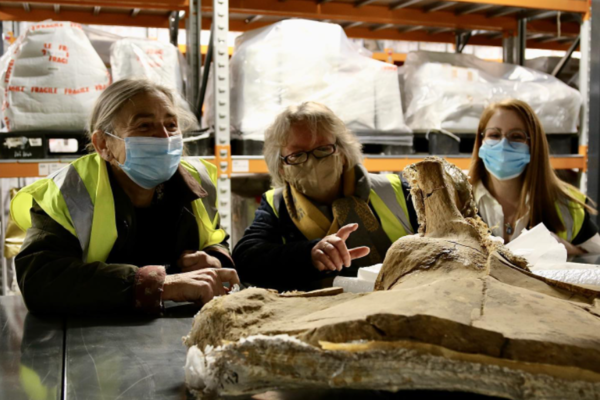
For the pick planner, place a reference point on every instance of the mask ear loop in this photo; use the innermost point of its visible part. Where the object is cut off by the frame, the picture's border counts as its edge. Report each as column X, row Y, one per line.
column 115, row 136
column 112, row 157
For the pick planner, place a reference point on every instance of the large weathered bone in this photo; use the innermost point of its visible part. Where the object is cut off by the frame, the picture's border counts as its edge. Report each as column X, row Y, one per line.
column 451, row 311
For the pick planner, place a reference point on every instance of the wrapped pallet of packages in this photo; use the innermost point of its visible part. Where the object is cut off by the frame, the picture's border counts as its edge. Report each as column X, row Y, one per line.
column 50, row 78
column 450, row 91
column 145, row 58
column 294, row 61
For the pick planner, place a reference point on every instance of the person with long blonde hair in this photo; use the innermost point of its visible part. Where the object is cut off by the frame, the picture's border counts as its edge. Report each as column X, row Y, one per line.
column 515, row 186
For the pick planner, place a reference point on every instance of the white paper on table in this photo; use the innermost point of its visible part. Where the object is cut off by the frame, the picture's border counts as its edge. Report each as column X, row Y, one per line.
column 353, row 285
column 369, row 273
column 365, row 282
column 539, row 248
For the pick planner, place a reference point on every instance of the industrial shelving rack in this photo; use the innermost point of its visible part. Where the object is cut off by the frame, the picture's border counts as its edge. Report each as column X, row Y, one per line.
column 512, row 24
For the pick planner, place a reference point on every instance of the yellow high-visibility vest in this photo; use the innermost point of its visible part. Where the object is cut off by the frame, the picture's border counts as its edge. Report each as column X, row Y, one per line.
column 80, row 199
column 572, row 216
column 387, row 199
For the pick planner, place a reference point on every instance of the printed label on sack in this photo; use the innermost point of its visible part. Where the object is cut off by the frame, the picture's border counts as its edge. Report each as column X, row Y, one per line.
column 35, row 142
column 240, row 166
column 45, row 169
column 56, row 53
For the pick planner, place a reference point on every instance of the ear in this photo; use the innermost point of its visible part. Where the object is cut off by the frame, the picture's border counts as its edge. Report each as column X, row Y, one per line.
column 99, row 143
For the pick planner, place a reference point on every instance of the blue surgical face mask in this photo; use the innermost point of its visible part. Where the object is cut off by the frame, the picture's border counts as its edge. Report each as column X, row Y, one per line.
column 151, row 161
column 504, row 160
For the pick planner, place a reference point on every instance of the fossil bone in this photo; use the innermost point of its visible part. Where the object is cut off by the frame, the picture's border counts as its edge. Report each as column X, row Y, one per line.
column 451, row 310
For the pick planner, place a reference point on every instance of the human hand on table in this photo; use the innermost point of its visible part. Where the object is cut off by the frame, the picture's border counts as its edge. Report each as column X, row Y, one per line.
column 199, row 286
column 332, row 254
column 195, row 260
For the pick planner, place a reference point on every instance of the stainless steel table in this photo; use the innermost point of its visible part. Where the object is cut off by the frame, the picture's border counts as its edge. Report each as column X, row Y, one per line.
column 119, row 357
column 99, row 357
column 128, row 357
column 31, row 353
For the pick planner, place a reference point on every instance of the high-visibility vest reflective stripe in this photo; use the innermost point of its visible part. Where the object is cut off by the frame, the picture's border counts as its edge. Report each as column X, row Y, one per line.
column 70, row 200
column 386, row 197
column 572, row 216
column 388, row 201
column 205, row 209
column 274, row 197
column 79, row 197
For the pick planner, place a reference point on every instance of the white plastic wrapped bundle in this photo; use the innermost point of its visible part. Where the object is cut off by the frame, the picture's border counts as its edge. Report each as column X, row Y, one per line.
column 575, row 273
column 294, row 61
column 144, row 58
column 102, row 42
column 50, row 78
column 450, row 91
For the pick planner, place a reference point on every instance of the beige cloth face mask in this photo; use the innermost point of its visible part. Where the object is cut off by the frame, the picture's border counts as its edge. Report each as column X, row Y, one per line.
column 316, row 179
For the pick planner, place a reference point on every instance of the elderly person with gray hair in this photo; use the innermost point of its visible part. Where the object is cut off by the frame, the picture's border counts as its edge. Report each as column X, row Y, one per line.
column 129, row 226
column 326, row 215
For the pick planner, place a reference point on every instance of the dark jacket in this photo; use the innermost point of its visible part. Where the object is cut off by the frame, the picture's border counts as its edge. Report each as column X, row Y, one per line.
column 54, row 278
column 273, row 253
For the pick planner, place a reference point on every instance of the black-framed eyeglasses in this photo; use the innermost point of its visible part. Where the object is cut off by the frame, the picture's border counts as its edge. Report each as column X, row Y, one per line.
column 493, row 136
column 302, row 156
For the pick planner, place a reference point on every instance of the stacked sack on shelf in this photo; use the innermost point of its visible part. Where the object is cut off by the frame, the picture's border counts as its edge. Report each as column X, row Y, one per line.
column 145, row 58
column 159, row 62
column 54, row 72
column 450, row 91
column 294, row 61
column 50, row 78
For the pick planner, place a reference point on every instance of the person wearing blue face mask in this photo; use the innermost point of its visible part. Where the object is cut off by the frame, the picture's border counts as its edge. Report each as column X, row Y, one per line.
column 515, row 186
column 129, row 226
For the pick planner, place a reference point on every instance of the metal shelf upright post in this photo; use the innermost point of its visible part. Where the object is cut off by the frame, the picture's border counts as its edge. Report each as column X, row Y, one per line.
column 592, row 82
column 585, row 47
column 193, row 25
column 221, row 90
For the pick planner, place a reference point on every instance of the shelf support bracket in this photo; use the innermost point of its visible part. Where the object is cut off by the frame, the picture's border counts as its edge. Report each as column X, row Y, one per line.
column 567, row 57
column 462, row 39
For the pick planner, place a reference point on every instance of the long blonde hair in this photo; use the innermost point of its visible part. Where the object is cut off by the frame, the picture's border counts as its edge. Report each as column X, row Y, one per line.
column 541, row 186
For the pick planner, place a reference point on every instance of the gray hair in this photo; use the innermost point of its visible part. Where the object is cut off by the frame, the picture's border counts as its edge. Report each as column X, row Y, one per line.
column 116, row 95
column 319, row 119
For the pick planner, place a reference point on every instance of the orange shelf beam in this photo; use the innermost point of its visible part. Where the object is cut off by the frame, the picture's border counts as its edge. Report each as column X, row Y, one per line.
column 574, row 6
column 168, row 5
column 24, row 169
column 377, row 164
column 203, row 49
column 338, row 11
column 301, row 8
column 86, row 17
column 390, row 57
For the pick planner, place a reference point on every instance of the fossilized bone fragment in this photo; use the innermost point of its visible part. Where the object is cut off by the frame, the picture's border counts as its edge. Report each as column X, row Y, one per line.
column 451, row 311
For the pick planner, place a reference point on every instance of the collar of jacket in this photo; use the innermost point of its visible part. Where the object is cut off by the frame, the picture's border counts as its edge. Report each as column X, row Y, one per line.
column 363, row 182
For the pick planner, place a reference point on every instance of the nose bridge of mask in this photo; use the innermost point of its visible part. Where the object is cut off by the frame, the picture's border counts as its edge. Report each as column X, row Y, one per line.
column 311, row 174
column 295, row 172
column 510, row 147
